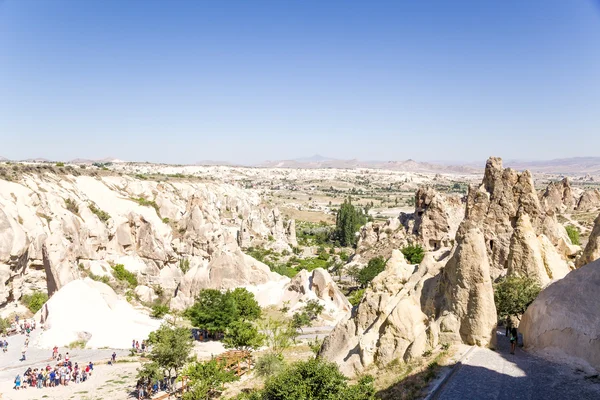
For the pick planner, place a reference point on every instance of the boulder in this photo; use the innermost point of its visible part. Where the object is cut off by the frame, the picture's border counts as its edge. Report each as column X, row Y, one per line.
column 94, row 312
column 563, row 323
column 589, row 201
column 592, row 249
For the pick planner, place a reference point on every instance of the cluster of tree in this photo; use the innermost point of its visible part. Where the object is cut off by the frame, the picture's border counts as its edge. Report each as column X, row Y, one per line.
column 218, row 311
column 348, row 221
column 309, row 313
column 312, row 379
column 513, row 294
column 414, row 253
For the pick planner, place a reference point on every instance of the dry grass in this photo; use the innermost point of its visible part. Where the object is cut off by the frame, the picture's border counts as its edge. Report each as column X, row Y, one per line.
column 407, row 381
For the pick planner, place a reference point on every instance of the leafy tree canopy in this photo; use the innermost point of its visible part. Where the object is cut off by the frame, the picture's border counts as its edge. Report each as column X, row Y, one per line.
column 348, row 221
column 243, row 335
column 368, row 273
column 206, row 380
column 513, row 294
column 170, row 349
column 414, row 253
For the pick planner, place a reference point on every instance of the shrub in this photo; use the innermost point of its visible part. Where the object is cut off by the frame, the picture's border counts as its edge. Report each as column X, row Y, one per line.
column 573, row 234
column 367, row 274
column 102, row 215
column 78, row 344
column 269, row 365
column 4, row 325
column 142, row 201
column 316, row 379
column 206, row 380
column 513, row 294
column 356, row 297
column 184, row 265
column 34, row 301
column 72, row 206
column 414, row 254
column 104, row 279
column 121, row 274
column 159, row 310
column 313, row 309
column 166, row 220
column 60, row 164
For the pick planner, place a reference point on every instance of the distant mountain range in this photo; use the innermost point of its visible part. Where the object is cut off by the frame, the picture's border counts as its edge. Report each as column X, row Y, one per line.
column 567, row 166
column 318, row 161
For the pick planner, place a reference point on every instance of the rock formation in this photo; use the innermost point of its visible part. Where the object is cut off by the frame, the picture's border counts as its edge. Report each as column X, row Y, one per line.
column 50, row 225
column 406, row 312
column 589, row 201
column 558, row 197
column 563, row 323
column 592, row 249
column 103, row 327
column 507, row 200
column 436, row 218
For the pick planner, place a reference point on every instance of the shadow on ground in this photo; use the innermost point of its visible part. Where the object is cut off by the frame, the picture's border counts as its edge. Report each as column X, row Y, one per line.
column 499, row 375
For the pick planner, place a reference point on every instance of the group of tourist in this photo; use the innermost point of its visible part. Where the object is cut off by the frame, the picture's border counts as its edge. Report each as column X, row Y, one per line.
column 135, row 345
column 63, row 373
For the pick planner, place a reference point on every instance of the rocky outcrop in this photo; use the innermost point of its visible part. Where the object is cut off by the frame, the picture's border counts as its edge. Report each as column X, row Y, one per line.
column 406, row 311
column 468, row 312
column 589, row 201
column 592, row 249
column 51, row 224
column 436, row 218
column 379, row 239
column 515, row 225
column 563, row 322
column 558, row 197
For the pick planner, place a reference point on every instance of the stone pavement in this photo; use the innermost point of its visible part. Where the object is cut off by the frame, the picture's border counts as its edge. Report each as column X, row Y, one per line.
column 499, row 375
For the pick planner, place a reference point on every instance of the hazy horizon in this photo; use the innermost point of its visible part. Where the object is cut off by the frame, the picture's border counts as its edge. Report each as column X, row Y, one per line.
column 182, row 82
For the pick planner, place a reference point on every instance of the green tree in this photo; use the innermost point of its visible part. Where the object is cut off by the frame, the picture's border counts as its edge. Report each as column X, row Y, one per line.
column 573, row 234
column 414, row 253
column 315, row 379
column 278, row 334
column 356, row 297
column 159, row 310
column 300, row 320
column 206, row 380
column 513, row 294
column 212, row 310
column 269, row 364
column 242, row 335
column 34, row 301
column 313, row 309
column 348, row 221
column 246, row 304
column 4, row 325
column 170, row 349
column 374, row 267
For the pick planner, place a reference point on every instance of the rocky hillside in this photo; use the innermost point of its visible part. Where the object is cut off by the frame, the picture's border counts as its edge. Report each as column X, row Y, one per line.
column 503, row 229
column 183, row 235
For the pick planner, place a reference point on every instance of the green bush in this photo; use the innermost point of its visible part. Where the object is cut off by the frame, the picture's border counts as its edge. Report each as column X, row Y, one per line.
column 348, row 221
column 104, row 279
column 375, row 267
column 121, row 274
column 356, row 297
column 414, row 254
column 60, row 164
column 159, row 310
column 184, row 265
column 142, row 201
column 316, row 379
column 513, row 294
column 573, row 234
column 72, row 206
column 269, row 365
column 4, row 325
column 34, row 301
column 102, row 215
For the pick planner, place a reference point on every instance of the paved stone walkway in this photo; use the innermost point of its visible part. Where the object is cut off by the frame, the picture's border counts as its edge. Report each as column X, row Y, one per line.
column 499, row 375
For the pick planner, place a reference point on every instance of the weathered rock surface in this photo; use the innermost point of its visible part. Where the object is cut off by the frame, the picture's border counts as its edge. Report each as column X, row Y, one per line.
column 436, row 218
column 589, row 201
column 514, row 224
column 558, row 197
column 592, row 249
column 563, row 323
column 50, row 224
column 405, row 312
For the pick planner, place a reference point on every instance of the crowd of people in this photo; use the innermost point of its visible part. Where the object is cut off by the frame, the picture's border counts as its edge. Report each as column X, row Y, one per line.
column 63, row 373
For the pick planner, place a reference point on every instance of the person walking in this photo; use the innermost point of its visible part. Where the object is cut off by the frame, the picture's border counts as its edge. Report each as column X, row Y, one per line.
column 23, row 351
column 18, row 382
column 513, row 339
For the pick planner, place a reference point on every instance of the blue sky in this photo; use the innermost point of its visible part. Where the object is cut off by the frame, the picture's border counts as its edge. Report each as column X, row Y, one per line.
column 245, row 81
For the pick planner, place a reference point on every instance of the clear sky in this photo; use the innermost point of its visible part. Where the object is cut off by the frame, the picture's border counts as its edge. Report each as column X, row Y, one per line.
column 245, row 81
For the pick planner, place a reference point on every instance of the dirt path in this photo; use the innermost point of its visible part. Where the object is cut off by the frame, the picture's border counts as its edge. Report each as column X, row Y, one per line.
column 488, row 374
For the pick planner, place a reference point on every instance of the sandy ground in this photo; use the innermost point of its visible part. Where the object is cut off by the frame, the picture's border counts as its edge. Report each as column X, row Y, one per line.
column 115, row 382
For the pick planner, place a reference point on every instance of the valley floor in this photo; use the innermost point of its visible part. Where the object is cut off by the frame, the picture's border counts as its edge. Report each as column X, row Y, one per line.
column 499, row 375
